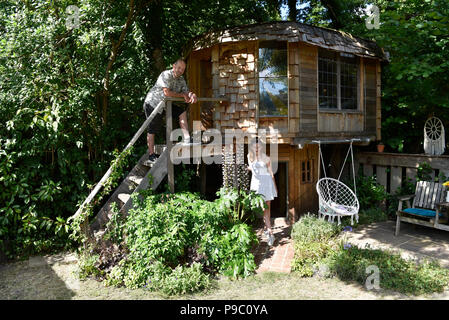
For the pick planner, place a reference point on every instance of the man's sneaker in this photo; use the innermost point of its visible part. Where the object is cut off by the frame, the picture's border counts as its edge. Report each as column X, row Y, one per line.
column 152, row 158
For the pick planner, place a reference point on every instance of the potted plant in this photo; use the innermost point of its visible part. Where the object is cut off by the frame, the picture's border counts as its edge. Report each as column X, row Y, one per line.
column 380, row 147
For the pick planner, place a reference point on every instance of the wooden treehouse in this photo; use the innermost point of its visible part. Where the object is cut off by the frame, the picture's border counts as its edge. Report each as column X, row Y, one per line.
column 310, row 83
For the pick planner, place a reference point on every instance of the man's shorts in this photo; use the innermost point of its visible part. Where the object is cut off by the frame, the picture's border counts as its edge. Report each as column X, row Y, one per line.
column 156, row 124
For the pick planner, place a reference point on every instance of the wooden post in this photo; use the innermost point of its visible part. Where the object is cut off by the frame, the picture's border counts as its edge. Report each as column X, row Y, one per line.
column 170, row 167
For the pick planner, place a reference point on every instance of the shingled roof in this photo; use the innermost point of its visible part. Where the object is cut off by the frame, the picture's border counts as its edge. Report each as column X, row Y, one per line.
column 293, row 32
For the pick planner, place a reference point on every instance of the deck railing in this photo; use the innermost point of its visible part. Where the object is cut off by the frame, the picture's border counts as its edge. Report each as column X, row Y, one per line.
column 392, row 169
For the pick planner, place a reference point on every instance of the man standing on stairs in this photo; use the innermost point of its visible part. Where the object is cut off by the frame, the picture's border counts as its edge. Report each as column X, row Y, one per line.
column 170, row 83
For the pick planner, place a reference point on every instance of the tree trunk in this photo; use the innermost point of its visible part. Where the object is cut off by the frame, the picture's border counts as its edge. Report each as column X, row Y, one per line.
column 292, row 11
column 152, row 23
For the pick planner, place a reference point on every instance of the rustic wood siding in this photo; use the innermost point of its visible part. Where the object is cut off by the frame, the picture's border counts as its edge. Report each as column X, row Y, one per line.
column 370, row 96
column 378, row 101
column 340, row 122
column 293, row 86
column 308, row 84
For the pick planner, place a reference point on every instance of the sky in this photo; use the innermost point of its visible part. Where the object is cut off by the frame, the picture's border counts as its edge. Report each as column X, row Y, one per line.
column 284, row 9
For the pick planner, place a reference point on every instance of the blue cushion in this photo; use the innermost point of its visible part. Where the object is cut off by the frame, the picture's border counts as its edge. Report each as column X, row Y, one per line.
column 422, row 212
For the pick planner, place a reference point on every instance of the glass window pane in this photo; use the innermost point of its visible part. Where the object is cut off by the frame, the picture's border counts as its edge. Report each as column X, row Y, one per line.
column 273, row 95
column 272, row 59
column 348, row 78
column 327, row 79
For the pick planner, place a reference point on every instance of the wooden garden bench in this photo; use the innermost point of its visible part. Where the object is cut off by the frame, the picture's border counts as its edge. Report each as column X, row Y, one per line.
column 426, row 208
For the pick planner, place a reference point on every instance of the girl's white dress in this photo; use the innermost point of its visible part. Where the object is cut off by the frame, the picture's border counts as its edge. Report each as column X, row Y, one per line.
column 261, row 181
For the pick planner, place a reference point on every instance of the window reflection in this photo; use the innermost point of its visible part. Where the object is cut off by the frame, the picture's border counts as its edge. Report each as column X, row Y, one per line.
column 273, row 86
column 273, row 97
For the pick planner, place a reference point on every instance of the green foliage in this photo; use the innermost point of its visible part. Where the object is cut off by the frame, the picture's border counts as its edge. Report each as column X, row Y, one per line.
column 369, row 193
column 313, row 238
column 424, row 172
column 324, row 248
column 114, row 230
column 309, row 228
column 395, row 273
column 181, row 280
column 172, row 241
column 118, row 166
column 309, row 255
column 240, row 205
column 87, row 266
column 372, row 215
column 66, row 102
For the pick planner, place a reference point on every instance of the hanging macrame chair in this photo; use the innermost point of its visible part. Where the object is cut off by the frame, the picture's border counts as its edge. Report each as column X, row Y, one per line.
column 335, row 198
column 434, row 142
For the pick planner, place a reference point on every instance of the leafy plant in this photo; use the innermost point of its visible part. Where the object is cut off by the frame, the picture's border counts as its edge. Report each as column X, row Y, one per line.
column 369, row 193
column 172, row 242
column 310, row 228
column 396, row 273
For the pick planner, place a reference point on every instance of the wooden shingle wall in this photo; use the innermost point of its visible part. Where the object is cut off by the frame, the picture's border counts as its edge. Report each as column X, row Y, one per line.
column 234, row 75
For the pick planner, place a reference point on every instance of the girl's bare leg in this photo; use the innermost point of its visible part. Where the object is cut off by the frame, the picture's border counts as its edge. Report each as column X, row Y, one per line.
column 267, row 218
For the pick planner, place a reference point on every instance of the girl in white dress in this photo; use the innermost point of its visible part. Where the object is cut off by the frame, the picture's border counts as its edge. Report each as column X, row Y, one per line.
column 262, row 182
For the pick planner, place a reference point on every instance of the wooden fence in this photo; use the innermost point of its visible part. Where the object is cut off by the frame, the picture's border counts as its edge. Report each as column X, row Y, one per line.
column 392, row 169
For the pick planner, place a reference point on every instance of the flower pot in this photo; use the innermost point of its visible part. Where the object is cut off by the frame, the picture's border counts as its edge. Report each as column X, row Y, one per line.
column 447, row 196
column 380, row 148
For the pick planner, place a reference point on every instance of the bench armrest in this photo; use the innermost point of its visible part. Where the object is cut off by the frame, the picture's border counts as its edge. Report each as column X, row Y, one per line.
column 406, row 197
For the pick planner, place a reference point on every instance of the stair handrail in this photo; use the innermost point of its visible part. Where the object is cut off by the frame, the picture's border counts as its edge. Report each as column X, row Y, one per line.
column 136, row 136
column 108, row 173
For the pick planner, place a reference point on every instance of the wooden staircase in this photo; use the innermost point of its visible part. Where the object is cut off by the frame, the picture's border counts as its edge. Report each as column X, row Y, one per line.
column 138, row 179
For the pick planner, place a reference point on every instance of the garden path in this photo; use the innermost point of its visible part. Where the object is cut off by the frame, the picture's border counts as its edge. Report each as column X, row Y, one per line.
column 278, row 257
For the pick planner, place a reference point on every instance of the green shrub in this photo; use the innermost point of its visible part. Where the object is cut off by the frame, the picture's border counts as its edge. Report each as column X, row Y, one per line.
column 313, row 239
column 396, row 273
column 87, row 266
column 369, row 193
column 181, row 280
column 172, row 242
column 310, row 228
column 309, row 255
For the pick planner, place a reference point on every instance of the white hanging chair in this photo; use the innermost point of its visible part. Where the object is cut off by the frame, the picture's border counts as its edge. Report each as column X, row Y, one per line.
column 335, row 198
column 434, row 142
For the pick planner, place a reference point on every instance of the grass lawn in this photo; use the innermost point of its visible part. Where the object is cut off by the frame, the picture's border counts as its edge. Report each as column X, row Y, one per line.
column 52, row 277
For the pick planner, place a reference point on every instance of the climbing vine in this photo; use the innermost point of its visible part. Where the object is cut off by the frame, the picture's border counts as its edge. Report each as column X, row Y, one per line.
column 78, row 223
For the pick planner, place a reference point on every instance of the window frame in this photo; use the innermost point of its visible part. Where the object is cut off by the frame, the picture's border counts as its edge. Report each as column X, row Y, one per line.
column 286, row 77
column 339, row 61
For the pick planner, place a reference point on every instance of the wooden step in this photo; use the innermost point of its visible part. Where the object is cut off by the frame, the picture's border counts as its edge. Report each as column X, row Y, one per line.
column 136, row 179
column 124, row 197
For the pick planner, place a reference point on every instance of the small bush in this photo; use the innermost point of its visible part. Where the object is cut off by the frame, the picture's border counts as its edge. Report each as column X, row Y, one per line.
column 310, row 228
column 396, row 273
column 369, row 193
column 313, row 239
column 309, row 255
